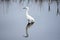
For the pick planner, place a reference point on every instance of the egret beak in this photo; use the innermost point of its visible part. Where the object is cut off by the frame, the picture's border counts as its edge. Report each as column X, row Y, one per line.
column 24, row 8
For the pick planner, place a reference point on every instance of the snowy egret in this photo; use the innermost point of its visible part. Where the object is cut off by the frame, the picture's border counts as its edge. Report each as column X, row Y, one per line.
column 30, row 19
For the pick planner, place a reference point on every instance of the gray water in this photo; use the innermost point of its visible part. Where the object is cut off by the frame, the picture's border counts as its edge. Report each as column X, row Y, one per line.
column 13, row 21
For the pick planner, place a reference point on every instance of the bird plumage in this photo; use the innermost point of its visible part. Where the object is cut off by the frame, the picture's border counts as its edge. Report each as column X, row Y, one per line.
column 30, row 19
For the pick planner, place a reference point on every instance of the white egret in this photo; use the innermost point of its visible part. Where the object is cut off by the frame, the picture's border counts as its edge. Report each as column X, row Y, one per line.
column 30, row 19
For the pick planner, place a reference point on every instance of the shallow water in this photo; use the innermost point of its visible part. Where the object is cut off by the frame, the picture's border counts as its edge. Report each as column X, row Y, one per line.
column 13, row 22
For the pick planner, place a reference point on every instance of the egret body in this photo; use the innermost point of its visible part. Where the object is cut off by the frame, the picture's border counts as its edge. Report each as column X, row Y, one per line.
column 30, row 19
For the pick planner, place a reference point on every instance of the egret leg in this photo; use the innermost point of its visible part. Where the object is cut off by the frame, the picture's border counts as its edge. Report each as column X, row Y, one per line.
column 28, row 26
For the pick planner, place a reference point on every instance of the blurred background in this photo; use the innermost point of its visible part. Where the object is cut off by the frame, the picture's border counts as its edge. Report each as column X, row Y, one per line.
column 13, row 19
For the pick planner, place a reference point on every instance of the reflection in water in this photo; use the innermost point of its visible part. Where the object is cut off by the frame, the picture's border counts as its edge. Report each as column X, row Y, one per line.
column 39, row 1
column 5, row 0
column 6, row 4
column 20, row 1
column 49, row 5
column 28, row 1
column 27, row 27
column 58, row 13
column 57, row 2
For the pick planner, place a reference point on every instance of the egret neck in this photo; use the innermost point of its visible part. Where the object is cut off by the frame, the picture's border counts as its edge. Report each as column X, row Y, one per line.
column 27, row 10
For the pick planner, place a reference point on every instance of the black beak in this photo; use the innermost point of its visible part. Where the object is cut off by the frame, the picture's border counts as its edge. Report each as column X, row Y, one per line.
column 24, row 8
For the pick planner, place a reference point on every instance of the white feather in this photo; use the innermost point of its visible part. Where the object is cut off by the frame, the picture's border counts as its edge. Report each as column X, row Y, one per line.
column 29, row 18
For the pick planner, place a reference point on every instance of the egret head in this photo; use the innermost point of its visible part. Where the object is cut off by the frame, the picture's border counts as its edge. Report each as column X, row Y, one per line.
column 26, row 8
